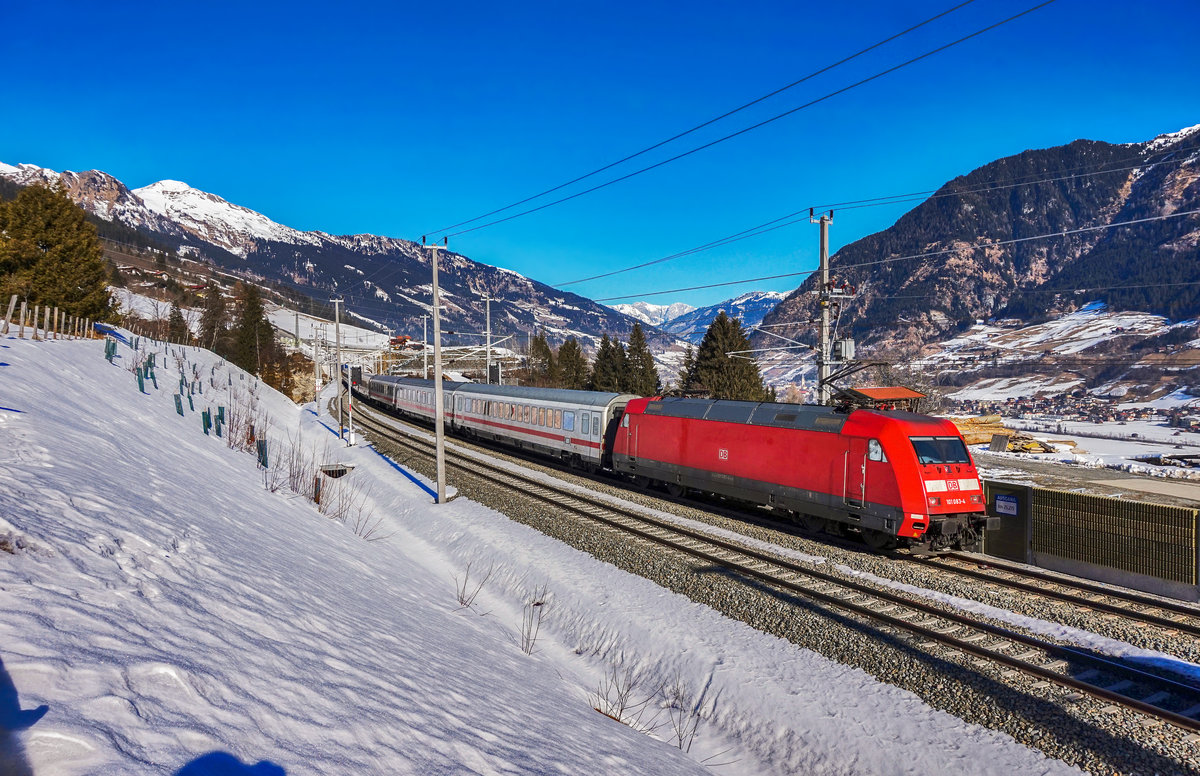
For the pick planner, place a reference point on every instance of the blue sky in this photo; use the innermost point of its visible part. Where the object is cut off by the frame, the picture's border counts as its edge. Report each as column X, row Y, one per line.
column 400, row 119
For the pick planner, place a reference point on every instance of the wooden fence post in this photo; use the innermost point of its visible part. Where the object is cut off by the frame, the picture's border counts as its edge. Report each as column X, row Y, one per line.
column 37, row 309
column 56, row 324
column 21, row 330
column 12, row 305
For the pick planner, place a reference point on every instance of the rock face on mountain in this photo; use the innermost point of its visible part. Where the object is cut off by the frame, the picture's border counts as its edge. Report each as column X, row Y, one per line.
column 1028, row 236
column 383, row 280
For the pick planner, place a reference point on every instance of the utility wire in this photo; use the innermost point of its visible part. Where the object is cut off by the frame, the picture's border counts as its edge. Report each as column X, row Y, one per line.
column 931, row 254
column 759, row 125
column 698, row 127
column 893, row 199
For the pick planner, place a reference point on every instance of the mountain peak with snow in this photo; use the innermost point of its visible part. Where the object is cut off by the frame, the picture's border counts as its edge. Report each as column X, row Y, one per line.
column 654, row 314
column 233, row 227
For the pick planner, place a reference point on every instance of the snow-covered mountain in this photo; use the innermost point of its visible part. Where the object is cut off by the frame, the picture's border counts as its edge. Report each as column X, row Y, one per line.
column 750, row 308
column 384, row 280
column 654, row 314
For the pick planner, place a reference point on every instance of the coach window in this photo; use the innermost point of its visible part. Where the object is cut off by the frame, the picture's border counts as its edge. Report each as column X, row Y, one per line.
column 875, row 451
column 568, row 421
column 558, row 418
column 524, row 413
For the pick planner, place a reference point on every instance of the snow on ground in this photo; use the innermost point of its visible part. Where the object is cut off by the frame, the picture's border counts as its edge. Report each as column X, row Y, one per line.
column 164, row 607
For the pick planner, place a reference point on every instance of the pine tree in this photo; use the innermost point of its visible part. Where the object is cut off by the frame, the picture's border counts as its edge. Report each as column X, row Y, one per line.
column 177, row 328
column 606, row 369
column 253, row 335
column 542, row 367
column 213, row 318
column 723, row 376
column 641, row 374
column 572, row 365
column 50, row 254
column 687, row 371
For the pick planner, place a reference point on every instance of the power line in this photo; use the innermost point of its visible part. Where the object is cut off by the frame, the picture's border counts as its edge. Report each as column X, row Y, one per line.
column 758, row 125
column 975, row 246
column 800, row 216
column 698, row 127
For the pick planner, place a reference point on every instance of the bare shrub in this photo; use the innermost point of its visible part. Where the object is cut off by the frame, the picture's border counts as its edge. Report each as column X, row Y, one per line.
column 531, row 620
column 685, row 708
column 621, row 696
column 466, row 590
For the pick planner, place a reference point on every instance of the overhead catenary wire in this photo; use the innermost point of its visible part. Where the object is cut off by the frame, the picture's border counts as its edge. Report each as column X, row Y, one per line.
column 704, row 124
column 931, row 254
column 755, row 126
column 801, row 216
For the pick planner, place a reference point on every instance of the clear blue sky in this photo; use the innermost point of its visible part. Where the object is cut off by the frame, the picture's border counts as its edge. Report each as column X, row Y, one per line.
column 402, row 118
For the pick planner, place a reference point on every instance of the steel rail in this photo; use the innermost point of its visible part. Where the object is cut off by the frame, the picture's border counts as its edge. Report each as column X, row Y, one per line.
column 660, row 534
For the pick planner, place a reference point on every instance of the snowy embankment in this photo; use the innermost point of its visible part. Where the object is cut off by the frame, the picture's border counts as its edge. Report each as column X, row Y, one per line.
column 162, row 605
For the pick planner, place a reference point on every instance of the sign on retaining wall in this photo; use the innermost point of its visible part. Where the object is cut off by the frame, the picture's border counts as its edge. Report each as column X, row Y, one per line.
column 1013, row 505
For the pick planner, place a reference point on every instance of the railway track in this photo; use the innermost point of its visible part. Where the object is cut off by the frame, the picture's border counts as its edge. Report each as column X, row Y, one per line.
column 925, row 625
column 1170, row 615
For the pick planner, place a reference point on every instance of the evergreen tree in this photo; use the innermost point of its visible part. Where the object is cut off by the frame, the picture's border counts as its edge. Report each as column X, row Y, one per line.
column 50, row 254
column 723, row 376
column 213, row 319
column 641, row 374
column 253, row 344
column 572, row 365
column 606, row 369
column 177, row 328
column 542, row 368
column 687, row 370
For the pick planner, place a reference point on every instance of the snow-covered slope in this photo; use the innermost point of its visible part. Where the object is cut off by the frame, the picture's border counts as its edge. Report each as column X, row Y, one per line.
column 165, row 606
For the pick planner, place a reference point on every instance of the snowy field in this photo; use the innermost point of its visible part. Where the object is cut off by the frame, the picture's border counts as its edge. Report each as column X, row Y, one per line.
column 165, row 612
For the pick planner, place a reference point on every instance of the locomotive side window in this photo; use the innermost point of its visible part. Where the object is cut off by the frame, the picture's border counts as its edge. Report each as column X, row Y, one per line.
column 875, row 451
column 940, row 450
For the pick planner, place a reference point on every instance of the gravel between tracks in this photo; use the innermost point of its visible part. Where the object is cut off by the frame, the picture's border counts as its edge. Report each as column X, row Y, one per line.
column 1085, row 732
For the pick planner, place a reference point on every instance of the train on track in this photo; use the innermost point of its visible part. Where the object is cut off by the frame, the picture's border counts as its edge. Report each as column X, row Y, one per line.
column 894, row 478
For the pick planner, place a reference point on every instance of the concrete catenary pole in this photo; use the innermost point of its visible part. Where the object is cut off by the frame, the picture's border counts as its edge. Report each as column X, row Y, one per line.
column 337, row 346
column 439, row 410
column 824, row 362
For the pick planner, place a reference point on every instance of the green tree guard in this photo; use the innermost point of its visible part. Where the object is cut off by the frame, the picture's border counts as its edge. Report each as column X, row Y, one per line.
column 154, row 379
column 206, row 421
column 141, row 382
column 261, row 445
column 179, row 405
column 221, row 414
column 191, row 405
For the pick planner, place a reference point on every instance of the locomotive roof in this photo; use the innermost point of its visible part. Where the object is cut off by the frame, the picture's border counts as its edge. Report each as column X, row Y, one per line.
column 811, row 417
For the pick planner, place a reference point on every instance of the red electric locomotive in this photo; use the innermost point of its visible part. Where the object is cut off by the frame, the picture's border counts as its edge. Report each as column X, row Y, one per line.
column 894, row 477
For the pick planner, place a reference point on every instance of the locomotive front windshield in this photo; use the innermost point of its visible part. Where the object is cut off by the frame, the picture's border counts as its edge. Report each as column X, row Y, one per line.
column 940, row 450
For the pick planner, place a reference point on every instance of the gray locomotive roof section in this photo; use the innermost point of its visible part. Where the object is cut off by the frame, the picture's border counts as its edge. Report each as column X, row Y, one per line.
column 528, row 393
column 810, row 417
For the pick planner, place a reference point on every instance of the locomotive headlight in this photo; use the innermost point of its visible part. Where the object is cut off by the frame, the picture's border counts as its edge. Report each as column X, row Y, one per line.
column 935, row 501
